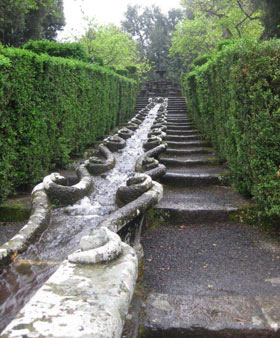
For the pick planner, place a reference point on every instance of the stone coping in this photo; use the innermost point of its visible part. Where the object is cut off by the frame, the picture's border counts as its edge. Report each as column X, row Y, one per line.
column 38, row 221
column 80, row 301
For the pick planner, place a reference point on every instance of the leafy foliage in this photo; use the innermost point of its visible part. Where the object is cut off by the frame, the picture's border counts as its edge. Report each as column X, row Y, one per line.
column 152, row 31
column 51, row 108
column 270, row 17
column 235, row 98
column 207, row 22
column 113, row 46
column 70, row 50
column 22, row 20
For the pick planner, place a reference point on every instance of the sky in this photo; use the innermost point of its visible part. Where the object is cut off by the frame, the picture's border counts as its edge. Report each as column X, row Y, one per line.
column 104, row 12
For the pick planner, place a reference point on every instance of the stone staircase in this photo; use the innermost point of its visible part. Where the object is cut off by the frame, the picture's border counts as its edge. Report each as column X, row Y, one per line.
column 141, row 102
column 204, row 275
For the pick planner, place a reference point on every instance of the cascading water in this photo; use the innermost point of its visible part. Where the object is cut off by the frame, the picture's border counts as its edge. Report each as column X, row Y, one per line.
column 20, row 280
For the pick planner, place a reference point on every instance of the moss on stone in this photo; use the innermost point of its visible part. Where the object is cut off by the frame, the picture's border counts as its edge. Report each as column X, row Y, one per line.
column 11, row 211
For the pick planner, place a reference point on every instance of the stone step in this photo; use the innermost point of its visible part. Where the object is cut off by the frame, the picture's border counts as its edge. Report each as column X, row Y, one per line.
column 195, row 142
column 193, row 176
column 177, row 125
column 184, row 138
column 210, row 280
column 198, row 171
column 180, row 124
column 200, row 316
column 187, row 127
column 183, row 132
column 189, row 151
column 177, row 115
column 179, row 121
column 177, row 110
column 199, row 204
column 188, row 161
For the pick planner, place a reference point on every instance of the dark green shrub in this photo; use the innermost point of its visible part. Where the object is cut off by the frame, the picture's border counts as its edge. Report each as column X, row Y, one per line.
column 235, row 100
column 68, row 50
column 51, row 108
column 131, row 69
column 123, row 72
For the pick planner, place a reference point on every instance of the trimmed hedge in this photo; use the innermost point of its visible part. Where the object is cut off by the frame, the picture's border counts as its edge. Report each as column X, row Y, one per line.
column 51, row 108
column 67, row 50
column 235, row 100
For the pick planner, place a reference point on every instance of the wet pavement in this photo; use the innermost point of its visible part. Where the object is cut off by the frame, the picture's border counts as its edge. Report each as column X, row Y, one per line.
column 211, row 259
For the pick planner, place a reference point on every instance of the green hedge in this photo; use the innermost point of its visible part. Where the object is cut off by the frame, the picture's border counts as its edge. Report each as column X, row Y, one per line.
column 67, row 50
column 51, row 108
column 235, row 100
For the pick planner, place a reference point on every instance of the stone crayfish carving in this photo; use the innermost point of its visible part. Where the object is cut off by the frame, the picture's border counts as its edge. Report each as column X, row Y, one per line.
column 100, row 161
column 101, row 246
column 114, row 143
column 62, row 194
column 125, row 133
column 152, row 142
column 135, row 186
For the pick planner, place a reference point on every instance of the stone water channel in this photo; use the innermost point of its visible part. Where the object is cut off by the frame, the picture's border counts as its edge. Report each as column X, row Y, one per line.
column 21, row 279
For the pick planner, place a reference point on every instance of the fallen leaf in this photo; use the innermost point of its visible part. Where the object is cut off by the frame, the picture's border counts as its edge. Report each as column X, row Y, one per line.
column 240, row 320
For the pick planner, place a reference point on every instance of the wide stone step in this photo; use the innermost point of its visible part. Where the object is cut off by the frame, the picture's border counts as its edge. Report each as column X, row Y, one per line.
column 182, row 132
column 199, row 204
column 182, row 126
column 210, row 280
column 194, row 176
column 192, row 143
column 184, row 138
column 179, row 121
column 200, row 316
column 178, row 115
column 191, row 160
column 189, row 151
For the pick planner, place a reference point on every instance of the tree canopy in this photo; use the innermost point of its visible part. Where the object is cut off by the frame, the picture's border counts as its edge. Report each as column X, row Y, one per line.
column 270, row 17
column 22, row 20
column 207, row 22
column 116, row 47
column 152, row 30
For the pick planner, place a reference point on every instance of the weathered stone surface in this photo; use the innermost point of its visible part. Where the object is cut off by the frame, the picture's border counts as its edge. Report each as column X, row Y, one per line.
column 135, row 187
column 127, row 213
column 200, row 204
column 97, row 166
column 204, row 316
column 37, row 222
column 79, row 301
column 152, row 142
column 61, row 195
column 125, row 133
column 106, row 252
column 114, row 143
column 132, row 126
column 98, row 238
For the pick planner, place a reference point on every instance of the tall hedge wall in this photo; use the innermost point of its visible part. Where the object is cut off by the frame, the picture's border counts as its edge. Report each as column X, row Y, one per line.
column 51, row 108
column 235, row 100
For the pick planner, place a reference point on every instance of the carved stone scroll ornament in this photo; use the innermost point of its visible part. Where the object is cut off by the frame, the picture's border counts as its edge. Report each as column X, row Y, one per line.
column 102, row 161
column 60, row 194
column 125, row 133
column 101, row 246
column 135, row 186
column 114, row 143
column 152, row 142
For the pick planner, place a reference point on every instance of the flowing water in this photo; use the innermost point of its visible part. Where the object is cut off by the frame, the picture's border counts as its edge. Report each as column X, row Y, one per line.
column 26, row 275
